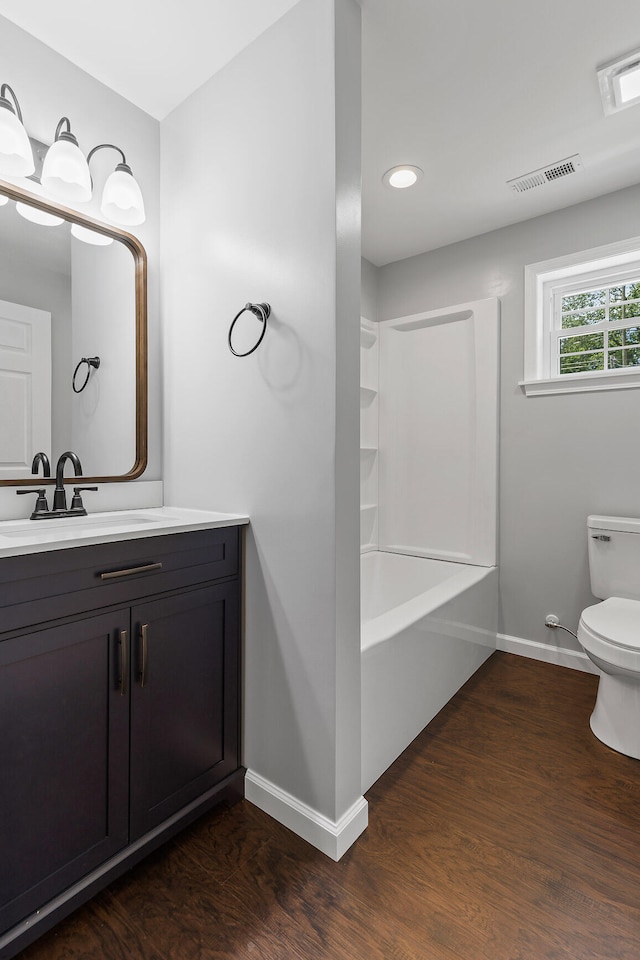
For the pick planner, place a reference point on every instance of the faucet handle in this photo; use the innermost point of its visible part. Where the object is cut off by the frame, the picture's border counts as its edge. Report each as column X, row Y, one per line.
column 76, row 502
column 42, row 507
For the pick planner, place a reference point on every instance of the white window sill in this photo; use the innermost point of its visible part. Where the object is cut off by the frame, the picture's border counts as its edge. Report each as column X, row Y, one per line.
column 582, row 383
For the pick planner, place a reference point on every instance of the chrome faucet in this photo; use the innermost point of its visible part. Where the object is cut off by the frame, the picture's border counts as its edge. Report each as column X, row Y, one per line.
column 59, row 494
column 41, row 458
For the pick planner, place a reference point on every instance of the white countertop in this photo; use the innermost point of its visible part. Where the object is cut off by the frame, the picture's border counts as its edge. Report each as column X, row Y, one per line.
column 19, row 537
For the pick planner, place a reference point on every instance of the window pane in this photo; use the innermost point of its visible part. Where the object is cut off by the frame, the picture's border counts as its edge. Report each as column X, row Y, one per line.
column 582, row 319
column 629, row 291
column 624, row 358
column 622, row 338
column 581, row 363
column 580, row 301
column 615, row 313
column 591, row 341
column 631, row 310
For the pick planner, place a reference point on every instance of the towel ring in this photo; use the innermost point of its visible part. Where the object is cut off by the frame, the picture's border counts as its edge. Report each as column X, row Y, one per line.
column 259, row 310
column 90, row 362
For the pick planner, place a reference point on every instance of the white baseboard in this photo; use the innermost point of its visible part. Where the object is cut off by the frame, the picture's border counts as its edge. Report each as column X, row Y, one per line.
column 574, row 659
column 332, row 838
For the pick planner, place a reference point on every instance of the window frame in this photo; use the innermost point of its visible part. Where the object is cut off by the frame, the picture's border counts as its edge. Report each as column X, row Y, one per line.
column 604, row 266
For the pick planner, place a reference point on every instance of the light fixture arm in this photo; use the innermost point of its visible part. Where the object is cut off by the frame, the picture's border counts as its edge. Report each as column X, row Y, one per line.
column 65, row 134
column 3, row 96
column 122, row 199
column 111, row 146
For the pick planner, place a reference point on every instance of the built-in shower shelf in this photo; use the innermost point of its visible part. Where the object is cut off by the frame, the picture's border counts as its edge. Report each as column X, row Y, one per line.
column 369, row 401
column 367, row 396
column 367, row 338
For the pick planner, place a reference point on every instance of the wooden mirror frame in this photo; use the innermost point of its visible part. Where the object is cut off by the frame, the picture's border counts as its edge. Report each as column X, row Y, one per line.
column 140, row 264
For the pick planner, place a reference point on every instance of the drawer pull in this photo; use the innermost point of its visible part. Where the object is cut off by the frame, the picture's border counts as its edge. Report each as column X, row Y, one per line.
column 130, row 571
column 124, row 660
column 144, row 647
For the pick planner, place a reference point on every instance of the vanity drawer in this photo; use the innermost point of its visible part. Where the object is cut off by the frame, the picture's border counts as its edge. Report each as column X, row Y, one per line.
column 62, row 583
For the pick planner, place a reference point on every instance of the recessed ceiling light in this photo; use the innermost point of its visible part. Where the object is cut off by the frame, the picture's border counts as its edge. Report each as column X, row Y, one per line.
column 402, row 176
column 620, row 83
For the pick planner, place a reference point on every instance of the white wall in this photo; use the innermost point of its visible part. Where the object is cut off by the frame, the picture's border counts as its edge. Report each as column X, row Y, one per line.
column 260, row 198
column 562, row 457
column 48, row 87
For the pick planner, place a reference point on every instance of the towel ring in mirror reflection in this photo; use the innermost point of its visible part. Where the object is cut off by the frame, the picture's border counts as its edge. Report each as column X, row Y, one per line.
column 259, row 310
column 90, row 362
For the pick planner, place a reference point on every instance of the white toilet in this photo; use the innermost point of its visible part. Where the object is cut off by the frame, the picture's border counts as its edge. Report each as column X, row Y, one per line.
column 609, row 632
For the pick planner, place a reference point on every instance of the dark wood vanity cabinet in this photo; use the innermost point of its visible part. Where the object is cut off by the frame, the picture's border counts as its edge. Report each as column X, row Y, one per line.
column 119, row 712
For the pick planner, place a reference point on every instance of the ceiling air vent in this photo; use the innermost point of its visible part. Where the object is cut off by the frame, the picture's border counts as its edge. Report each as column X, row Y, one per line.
column 538, row 178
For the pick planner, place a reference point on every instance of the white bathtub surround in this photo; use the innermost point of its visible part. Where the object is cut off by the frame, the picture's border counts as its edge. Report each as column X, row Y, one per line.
column 369, row 352
column 429, row 593
column 331, row 837
column 427, row 627
column 438, row 460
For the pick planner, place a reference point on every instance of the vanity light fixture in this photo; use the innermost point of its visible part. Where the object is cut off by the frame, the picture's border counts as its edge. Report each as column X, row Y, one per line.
column 619, row 83
column 65, row 172
column 121, row 196
column 16, row 157
column 400, row 177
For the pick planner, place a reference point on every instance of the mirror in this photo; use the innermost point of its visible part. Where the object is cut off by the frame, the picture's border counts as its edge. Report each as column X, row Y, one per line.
column 70, row 292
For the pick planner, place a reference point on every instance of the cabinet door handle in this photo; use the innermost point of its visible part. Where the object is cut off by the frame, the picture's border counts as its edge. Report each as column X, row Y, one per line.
column 144, row 648
column 124, row 661
column 129, row 571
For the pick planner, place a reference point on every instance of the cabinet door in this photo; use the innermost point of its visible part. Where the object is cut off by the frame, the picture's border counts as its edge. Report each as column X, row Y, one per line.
column 63, row 758
column 184, row 700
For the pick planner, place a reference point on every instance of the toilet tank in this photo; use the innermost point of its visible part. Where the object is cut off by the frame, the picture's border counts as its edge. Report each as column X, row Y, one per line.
column 614, row 557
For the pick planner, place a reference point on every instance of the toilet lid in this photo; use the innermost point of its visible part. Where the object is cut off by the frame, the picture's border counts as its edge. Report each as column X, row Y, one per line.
column 615, row 620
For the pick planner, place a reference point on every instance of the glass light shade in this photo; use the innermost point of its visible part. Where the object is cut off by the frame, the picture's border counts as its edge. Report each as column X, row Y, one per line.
column 38, row 216
column 122, row 199
column 3, row 200
column 65, row 173
column 16, row 155
column 90, row 236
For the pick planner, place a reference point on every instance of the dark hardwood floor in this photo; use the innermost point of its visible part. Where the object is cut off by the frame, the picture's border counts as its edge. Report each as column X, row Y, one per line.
column 505, row 832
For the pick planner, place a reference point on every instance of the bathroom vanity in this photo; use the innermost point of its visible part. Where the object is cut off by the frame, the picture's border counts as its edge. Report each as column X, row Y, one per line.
column 119, row 698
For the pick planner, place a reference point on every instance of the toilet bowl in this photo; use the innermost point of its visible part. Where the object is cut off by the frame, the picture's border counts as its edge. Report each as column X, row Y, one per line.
column 609, row 633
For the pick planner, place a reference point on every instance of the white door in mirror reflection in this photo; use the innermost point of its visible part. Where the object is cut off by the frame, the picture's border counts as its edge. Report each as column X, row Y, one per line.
column 25, row 387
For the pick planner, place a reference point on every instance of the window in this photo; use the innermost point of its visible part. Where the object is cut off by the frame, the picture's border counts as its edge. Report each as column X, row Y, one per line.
column 582, row 321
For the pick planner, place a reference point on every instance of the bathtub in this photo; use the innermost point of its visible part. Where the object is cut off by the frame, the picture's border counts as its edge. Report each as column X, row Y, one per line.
column 427, row 625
